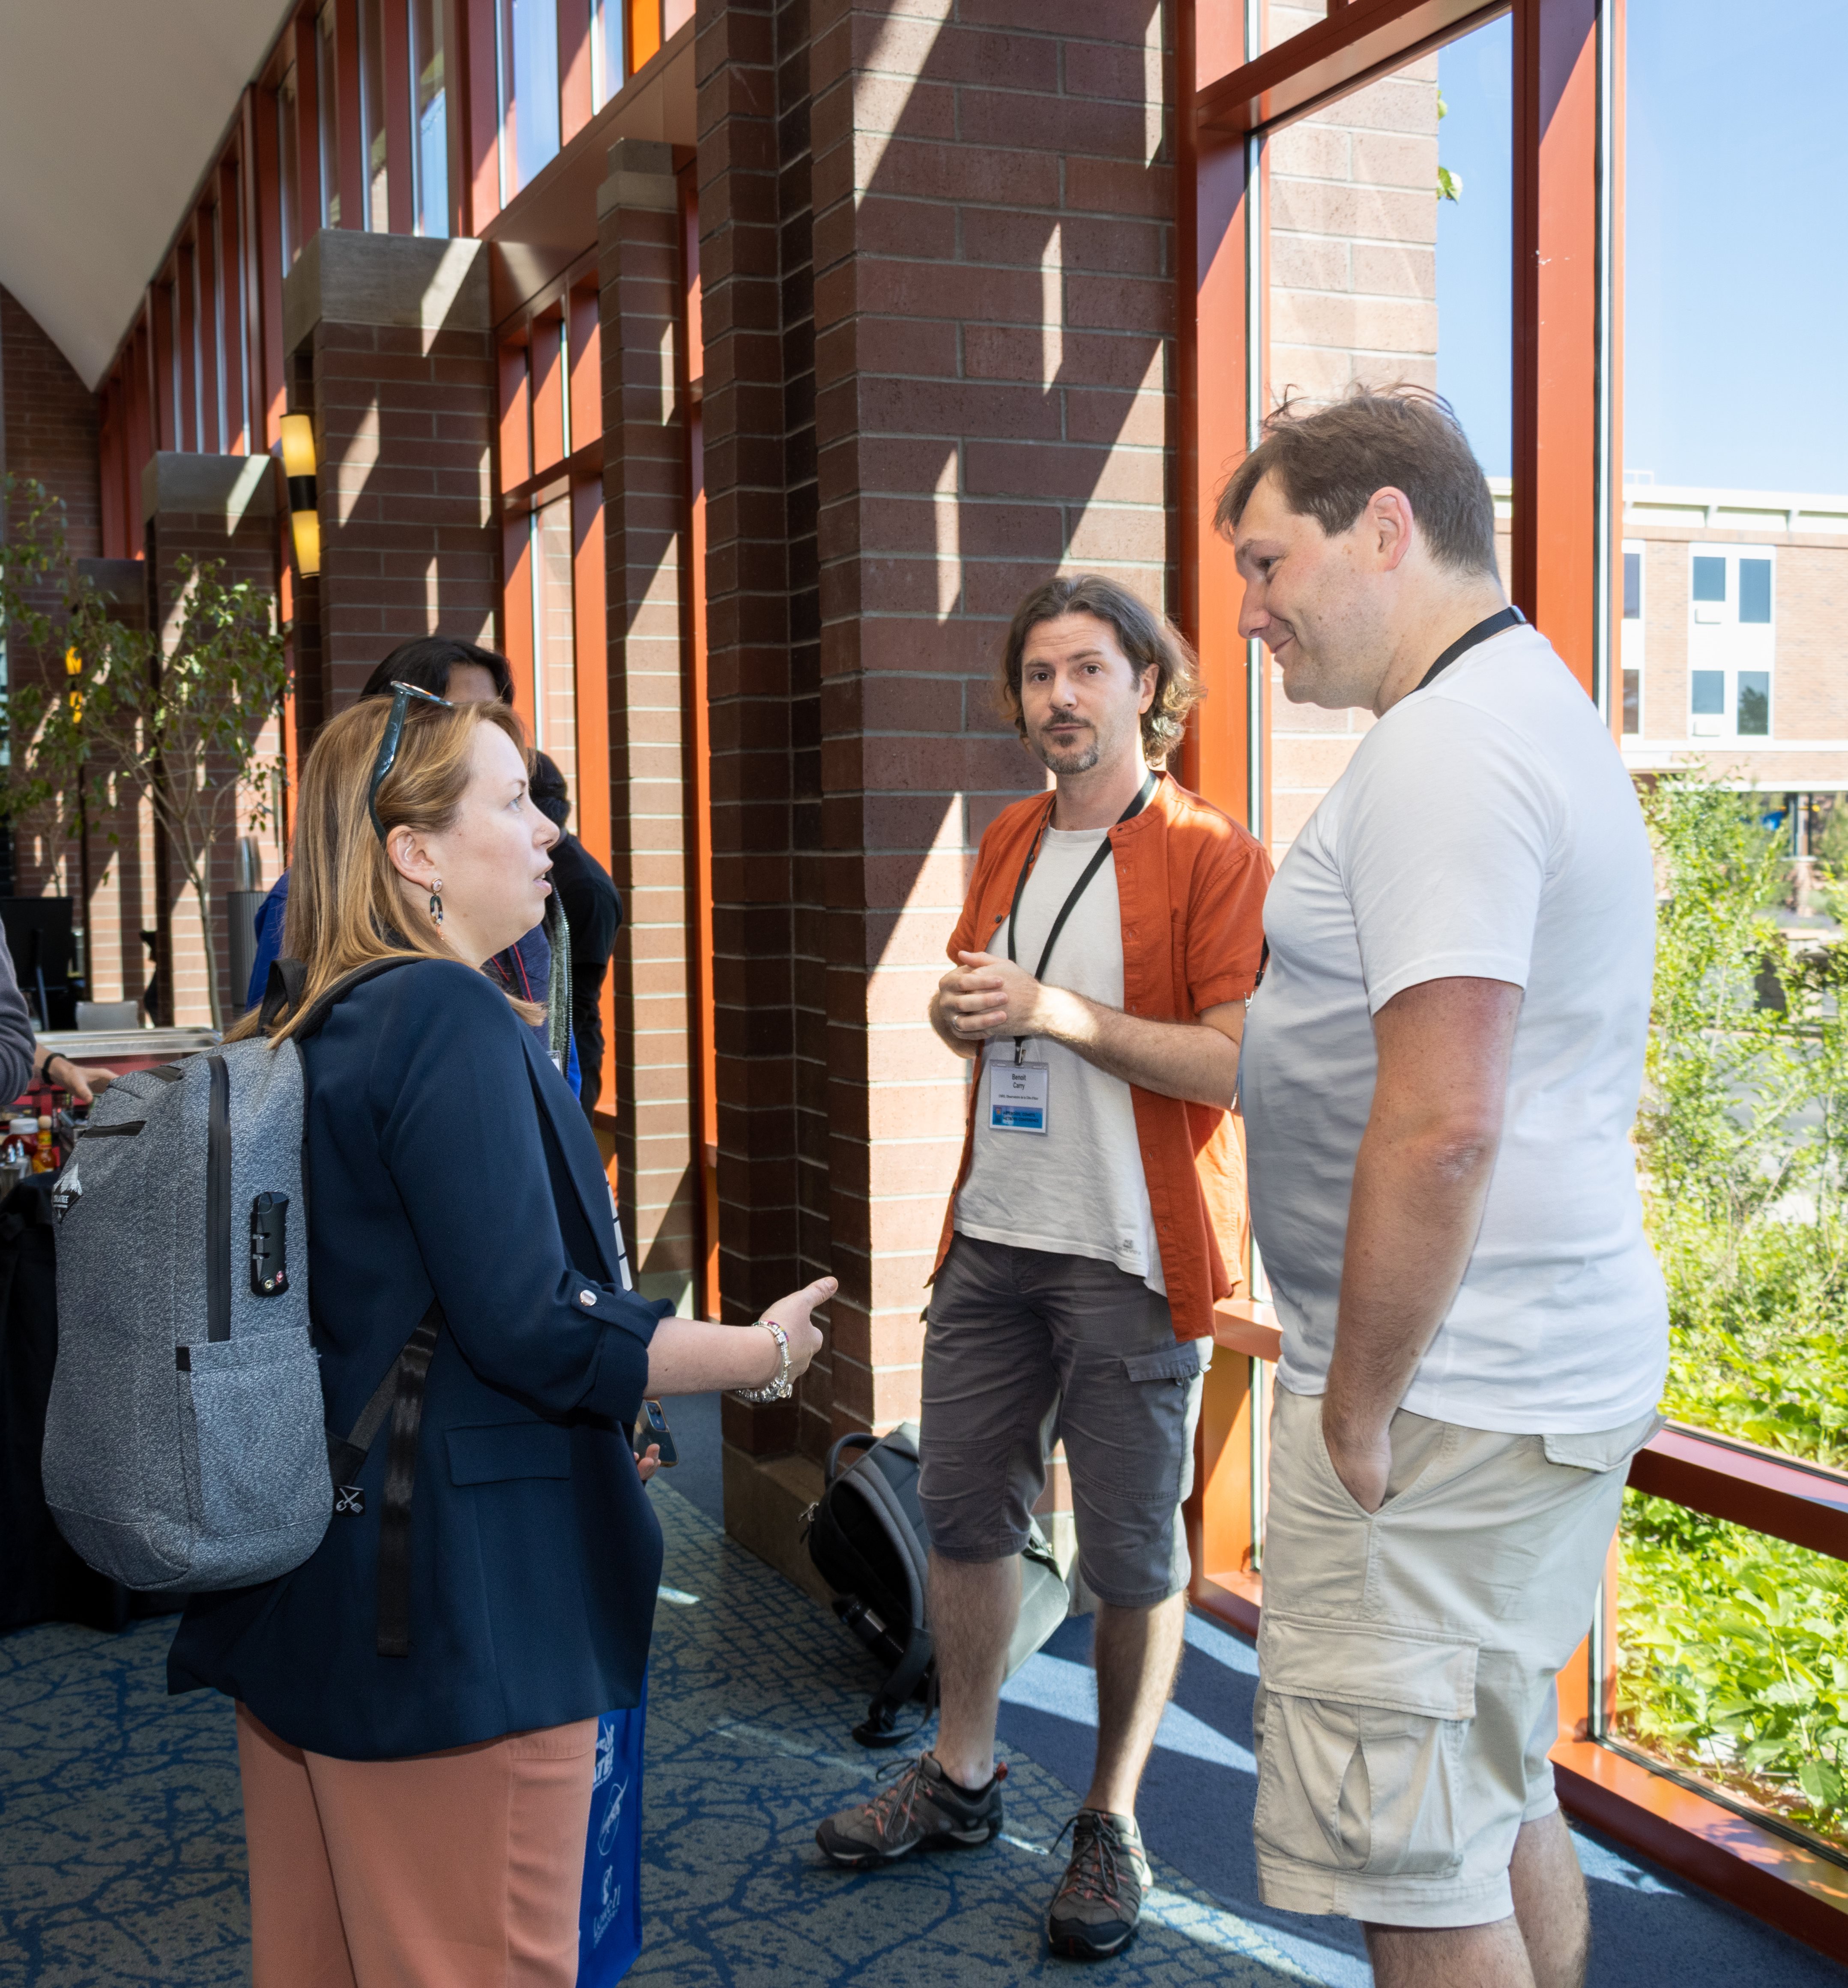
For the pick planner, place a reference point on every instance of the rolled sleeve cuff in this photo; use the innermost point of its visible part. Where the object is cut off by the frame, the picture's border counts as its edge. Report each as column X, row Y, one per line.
column 621, row 1379
column 1223, row 987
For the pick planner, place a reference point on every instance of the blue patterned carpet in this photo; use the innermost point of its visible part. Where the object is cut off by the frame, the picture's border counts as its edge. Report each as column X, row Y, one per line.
column 122, row 1852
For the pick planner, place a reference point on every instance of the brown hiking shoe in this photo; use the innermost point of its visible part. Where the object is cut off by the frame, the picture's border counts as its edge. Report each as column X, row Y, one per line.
column 919, row 1808
column 1095, row 1911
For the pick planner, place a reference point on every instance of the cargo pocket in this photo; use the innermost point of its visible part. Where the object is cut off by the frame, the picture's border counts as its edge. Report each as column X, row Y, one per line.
column 1361, row 1740
column 1169, row 1363
column 1168, row 1397
column 1602, row 1449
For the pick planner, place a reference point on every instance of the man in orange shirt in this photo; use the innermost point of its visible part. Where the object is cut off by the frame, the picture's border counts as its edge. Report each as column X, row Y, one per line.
column 1111, row 936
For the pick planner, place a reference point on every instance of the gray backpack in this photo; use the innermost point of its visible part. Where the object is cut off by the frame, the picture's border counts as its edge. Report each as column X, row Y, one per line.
column 186, row 1444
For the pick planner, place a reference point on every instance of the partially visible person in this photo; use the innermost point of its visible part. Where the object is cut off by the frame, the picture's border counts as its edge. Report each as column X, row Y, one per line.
column 593, row 908
column 1439, row 1078
column 24, row 1060
column 461, row 673
column 417, row 1802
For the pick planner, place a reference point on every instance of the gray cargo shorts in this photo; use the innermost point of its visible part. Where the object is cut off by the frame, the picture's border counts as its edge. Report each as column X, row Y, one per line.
column 1026, row 1346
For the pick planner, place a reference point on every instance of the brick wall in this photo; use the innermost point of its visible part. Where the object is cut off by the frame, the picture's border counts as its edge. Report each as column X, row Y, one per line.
column 1352, row 297
column 754, row 255
column 645, row 567
column 52, row 424
column 936, row 254
column 390, row 352
column 1809, row 695
column 402, row 419
column 994, row 255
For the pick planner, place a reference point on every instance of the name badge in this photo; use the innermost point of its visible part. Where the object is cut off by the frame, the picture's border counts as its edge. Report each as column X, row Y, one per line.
column 1017, row 1096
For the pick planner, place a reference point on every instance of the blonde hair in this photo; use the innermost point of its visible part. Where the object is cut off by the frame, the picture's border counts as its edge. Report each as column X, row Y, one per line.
column 347, row 905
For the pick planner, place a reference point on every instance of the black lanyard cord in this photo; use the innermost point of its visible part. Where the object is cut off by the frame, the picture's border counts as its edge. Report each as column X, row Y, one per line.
column 1099, row 856
column 1506, row 617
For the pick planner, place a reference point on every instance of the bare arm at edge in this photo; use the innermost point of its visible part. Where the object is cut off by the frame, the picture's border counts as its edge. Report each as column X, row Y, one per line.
column 1420, row 1181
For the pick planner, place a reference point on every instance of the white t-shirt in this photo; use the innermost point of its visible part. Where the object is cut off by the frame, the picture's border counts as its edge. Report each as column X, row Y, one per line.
column 1485, row 828
column 1078, row 1188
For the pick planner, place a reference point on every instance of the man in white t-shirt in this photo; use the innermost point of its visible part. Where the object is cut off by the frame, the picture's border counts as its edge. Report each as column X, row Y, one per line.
column 1438, row 1078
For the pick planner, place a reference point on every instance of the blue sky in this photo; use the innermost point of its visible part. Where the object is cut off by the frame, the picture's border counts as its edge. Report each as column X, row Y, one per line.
column 1475, row 241
column 1736, row 277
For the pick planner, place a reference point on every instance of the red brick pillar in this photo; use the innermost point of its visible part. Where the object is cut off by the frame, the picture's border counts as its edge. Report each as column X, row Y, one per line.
column 937, row 266
column 644, row 527
column 993, row 245
column 390, row 349
column 754, row 584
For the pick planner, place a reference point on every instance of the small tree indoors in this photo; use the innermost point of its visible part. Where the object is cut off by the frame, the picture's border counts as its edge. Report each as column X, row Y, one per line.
column 132, row 719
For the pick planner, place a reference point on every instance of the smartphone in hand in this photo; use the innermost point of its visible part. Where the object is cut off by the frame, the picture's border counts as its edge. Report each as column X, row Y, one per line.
column 651, row 1427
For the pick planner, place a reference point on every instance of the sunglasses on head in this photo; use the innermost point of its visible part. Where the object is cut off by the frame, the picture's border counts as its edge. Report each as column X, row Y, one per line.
column 401, row 695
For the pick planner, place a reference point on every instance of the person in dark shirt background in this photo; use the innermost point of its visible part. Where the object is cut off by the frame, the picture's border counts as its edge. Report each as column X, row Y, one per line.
column 594, row 914
column 464, row 673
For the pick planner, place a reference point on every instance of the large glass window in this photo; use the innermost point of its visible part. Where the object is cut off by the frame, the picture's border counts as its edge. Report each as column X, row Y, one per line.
column 1282, row 18
column 529, row 89
column 555, row 672
column 1389, row 261
column 609, row 58
column 429, row 118
column 372, row 112
column 289, row 138
column 1735, row 437
column 327, row 98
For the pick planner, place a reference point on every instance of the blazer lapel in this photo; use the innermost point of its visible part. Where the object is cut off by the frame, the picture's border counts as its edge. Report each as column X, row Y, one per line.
column 589, row 1182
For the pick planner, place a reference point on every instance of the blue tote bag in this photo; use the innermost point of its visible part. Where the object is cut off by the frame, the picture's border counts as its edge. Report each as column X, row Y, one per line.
column 609, row 1914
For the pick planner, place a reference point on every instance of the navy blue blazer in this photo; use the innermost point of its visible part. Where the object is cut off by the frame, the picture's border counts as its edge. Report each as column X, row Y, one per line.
column 447, row 1156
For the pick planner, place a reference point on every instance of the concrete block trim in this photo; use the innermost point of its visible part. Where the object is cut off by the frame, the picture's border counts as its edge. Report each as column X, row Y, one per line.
column 641, row 175
column 231, row 487
column 408, row 281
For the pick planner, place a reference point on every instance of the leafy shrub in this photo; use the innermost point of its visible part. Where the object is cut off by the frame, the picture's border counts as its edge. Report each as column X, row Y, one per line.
column 1736, row 1659
column 1730, row 1640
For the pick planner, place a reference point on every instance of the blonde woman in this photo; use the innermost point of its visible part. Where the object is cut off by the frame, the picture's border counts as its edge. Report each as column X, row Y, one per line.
column 417, row 1738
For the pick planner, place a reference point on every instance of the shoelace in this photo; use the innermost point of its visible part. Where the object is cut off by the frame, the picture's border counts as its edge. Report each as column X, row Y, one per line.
column 1097, row 1852
column 890, row 1809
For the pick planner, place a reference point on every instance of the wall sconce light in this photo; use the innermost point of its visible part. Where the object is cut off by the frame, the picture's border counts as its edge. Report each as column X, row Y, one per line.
column 304, row 505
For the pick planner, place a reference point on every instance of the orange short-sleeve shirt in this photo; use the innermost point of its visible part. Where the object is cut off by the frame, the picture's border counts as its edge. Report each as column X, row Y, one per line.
column 1191, row 882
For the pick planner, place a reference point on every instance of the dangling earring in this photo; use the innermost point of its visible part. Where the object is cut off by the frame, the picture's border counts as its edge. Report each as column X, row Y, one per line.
column 436, row 901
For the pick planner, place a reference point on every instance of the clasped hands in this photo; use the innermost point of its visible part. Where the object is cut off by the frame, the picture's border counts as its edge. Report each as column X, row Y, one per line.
column 987, row 996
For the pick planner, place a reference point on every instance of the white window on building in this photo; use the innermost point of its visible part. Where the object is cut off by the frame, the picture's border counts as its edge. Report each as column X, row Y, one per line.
column 1631, row 641
column 1731, row 641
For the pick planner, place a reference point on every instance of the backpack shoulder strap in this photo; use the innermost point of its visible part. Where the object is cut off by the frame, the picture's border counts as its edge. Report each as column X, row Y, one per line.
column 281, row 990
column 401, row 1394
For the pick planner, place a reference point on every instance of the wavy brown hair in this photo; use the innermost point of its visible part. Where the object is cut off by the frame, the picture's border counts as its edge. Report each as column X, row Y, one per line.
column 1144, row 637
column 347, row 905
column 1328, row 461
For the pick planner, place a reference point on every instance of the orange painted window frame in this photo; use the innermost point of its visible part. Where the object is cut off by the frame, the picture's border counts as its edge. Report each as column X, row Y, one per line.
column 1567, row 393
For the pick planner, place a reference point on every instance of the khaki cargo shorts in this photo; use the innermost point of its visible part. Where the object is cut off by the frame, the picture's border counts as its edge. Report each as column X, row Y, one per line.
column 1406, row 1659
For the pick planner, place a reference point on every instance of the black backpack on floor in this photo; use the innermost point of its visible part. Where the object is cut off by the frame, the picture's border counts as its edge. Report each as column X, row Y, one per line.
column 867, row 1539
